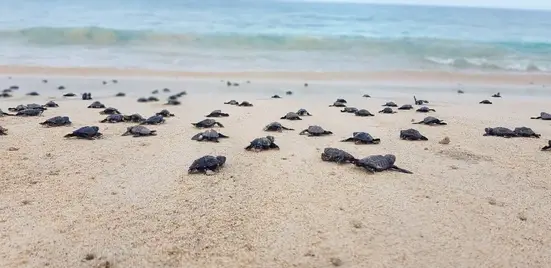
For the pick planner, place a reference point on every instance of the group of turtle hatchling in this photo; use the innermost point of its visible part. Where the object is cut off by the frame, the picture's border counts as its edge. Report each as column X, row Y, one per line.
column 372, row 163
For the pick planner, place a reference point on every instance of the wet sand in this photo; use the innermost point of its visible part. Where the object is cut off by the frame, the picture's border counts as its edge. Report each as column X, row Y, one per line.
column 477, row 202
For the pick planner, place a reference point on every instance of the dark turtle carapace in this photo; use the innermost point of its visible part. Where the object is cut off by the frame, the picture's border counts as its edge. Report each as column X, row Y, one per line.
column 142, row 99
column 276, row 97
column 69, row 95
column 96, row 105
column 232, row 102
column 526, row 132
column 57, row 121
column 412, row 135
column 497, row 95
column 406, row 107
column 120, row 94
column 110, row 110
column 207, row 163
column 338, row 104
column 387, row 110
column 209, row 135
column 425, row 109
column 139, row 131
column 154, row 120
column 134, row 118
column 33, row 93
column 378, row 163
column 30, row 112
column 363, row 113
column 261, row 144
column 165, row 113
column 349, row 110
column 113, row 118
column 429, row 120
column 276, row 127
column 207, row 123
column 87, row 132
column 315, row 131
column 245, row 104
column 291, row 116
column 337, row 155
column 366, row 96
column 499, row 132
column 51, row 104
column 173, row 102
column 419, row 102
column 543, row 116
column 390, row 104
column 303, row 112
column 362, row 138
column 217, row 113
column 485, row 102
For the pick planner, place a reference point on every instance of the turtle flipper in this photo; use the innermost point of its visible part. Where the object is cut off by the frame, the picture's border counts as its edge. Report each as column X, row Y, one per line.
column 284, row 117
column 222, row 135
column 376, row 141
column 224, row 114
column 70, row 135
column 219, row 124
column 420, row 122
column 395, row 168
column 286, row 128
column 304, row 132
column 348, row 140
column 423, row 138
column 539, row 117
column 442, row 123
column 274, row 146
column 327, row 133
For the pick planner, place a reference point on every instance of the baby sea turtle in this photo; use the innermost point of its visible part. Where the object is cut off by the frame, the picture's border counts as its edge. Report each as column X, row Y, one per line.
column 337, row 155
column 378, row 163
column 543, row 116
column 173, row 102
column 232, row 102
column 363, row 112
column 406, row 107
column 6, row 95
column 289, row 92
column 390, row 104
column 275, row 126
column 14, row 87
column 182, row 93
column 425, row 109
column 276, row 97
column 208, row 135
column 207, row 163
column 459, row 91
column 387, row 110
column 166, row 90
column 110, row 110
column 154, row 120
column 291, row 116
column 29, row 112
column 264, row 143
column 341, row 100
column 3, row 131
column 497, row 95
column 142, row 100
column 315, row 131
column 33, row 93
column 61, row 88
column 120, row 94
column 135, row 118
column 113, row 118
column 114, row 81
column 362, row 138
column 165, row 113
column 87, row 132
column 485, row 102
column 338, row 104
column 544, row 148
column 303, row 112
column 366, row 96
column 245, row 104
column 217, row 113
column 57, row 121
column 207, row 123
column 139, row 131
column 429, row 120
column 173, row 97
column 51, row 104
column 96, row 105
column 419, row 102
column 69, row 95
column 499, row 132
column 156, row 91
column 349, row 110
column 412, row 135
column 152, row 98
column 36, row 106
column 526, row 132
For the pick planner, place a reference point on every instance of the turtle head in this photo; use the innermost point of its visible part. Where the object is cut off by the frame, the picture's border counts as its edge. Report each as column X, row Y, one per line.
column 488, row 130
column 221, row 159
column 95, row 128
column 271, row 138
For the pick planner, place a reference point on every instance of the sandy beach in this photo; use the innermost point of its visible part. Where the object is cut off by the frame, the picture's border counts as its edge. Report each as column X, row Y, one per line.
column 129, row 202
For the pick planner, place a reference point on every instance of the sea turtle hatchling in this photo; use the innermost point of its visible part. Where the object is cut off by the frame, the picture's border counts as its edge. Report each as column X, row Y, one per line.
column 390, row 104
column 276, row 97
column 57, row 121
column 544, row 148
column 363, row 112
column 120, row 94
column 217, row 113
column 291, row 116
column 96, row 105
column 87, row 132
column 341, row 100
column 135, row 118
column 349, row 110
column 412, row 135
column 378, row 163
column 113, row 118
column 315, row 131
column 139, row 131
column 485, row 102
column 431, row 121
column 425, row 109
column 499, row 132
column 173, row 102
column 29, row 112
column 387, row 110
column 497, row 95
column 406, row 107
column 543, row 116
column 337, row 155
column 142, row 100
column 526, row 132
column 207, row 123
column 362, row 138
column 69, row 95
column 208, row 135
column 338, row 104
column 261, row 144
column 36, row 106
column 207, row 163
column 3, row 131
column 110, row 110
column 152, row 98
column 165, row 113
column 232, row 102
column 276, row 127
column 245, row 104
column 366, row 96
column 303, row 112
column 51, row 104
column 33, row 93
column 154, row 120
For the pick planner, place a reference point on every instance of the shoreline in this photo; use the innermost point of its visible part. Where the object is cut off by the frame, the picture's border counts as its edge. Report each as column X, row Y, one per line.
column 447, row 77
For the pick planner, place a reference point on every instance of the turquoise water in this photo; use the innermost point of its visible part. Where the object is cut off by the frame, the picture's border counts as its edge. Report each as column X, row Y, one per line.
column 271, row 35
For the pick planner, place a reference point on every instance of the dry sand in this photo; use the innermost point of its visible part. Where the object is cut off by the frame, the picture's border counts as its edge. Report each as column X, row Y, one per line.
column 477, row 202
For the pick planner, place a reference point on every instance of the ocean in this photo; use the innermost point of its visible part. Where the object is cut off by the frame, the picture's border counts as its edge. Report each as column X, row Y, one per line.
column 243, row 35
